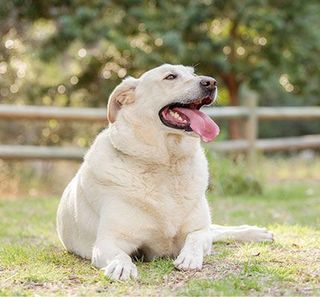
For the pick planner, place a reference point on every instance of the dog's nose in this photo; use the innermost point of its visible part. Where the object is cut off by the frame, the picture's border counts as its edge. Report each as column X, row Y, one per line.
column 208, row 83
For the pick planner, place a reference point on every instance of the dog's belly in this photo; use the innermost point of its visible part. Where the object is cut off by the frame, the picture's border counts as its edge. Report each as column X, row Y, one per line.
column 161, row 247
column 163, row 235
column 167, row 213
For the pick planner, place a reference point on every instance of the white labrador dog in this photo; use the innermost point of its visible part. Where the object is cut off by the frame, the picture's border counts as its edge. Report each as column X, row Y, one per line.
column 141, row 188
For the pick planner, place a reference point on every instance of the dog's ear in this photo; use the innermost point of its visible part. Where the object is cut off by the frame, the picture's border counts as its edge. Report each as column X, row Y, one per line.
column 123, row 94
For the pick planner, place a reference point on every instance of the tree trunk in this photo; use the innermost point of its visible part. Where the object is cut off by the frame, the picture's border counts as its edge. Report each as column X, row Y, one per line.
column 233, row 89
column 232, row 83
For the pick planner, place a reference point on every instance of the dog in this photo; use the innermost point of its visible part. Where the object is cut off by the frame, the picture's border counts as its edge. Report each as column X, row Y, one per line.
column 141, row 189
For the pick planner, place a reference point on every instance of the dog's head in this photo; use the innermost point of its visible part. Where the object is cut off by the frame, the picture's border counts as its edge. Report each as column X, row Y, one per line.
column 169, row 98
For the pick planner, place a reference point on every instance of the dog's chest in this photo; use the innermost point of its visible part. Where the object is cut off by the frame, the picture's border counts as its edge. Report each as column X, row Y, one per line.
column 179, row 182
column 168, row 194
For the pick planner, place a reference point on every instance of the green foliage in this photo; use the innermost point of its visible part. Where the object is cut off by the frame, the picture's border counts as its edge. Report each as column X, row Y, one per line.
column 73, row 53
column 230, row 177
column 250, row 42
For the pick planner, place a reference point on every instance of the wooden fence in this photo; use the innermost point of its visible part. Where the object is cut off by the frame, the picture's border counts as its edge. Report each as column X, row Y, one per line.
column 250, row 114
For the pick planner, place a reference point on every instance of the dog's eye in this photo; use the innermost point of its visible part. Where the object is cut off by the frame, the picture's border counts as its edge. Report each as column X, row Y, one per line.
column 171, row 77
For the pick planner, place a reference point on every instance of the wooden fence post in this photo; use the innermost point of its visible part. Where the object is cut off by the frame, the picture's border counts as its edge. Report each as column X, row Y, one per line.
column 251, row 127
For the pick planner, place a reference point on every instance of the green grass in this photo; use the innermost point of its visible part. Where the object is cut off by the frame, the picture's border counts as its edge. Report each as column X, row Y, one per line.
column 32, row 261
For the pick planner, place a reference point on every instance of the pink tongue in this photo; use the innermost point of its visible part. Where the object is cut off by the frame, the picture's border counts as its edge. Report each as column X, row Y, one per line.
column 200, row 123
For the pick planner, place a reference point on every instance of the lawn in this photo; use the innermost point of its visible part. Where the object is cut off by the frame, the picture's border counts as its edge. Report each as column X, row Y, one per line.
column 32, row 261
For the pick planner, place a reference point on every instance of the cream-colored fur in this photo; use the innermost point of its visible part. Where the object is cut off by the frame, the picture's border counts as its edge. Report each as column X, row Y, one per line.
column 141, row 187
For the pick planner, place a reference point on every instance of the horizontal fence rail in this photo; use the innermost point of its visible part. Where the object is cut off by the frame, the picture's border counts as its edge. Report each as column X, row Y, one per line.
column 13, row 112
column 21, row 152
column 269, row 145
column 250, row 113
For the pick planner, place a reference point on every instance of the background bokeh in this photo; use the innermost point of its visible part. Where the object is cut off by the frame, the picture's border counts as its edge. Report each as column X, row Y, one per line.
column 73, row 53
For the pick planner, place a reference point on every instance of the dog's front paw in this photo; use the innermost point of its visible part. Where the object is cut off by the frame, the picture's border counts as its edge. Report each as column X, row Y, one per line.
column 120, row 270
column 188, row 260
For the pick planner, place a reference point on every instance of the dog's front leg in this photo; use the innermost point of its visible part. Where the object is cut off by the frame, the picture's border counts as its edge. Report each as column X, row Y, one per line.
column 112, row 255
column 197, row 245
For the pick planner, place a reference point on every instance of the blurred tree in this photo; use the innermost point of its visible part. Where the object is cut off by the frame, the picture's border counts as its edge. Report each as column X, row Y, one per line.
column 74, row 52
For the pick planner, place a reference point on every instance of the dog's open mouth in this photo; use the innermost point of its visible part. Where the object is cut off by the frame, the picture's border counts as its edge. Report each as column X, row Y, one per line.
column 188, row 117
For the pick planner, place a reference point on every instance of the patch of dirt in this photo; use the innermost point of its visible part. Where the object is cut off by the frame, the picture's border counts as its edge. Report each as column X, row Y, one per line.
column 215, row 270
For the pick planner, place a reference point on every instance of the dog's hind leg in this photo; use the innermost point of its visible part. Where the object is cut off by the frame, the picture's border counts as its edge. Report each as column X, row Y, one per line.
column 240, row 233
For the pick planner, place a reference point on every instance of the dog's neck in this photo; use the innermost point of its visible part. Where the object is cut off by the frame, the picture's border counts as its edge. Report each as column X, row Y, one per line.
column 147, row 144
